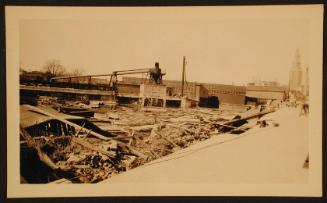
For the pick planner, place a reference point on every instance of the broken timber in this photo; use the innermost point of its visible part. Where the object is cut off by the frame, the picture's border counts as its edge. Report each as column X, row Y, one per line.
column 81, row 128
column 238, row 121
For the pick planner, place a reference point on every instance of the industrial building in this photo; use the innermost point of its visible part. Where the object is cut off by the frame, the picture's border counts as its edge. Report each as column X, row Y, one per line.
column 261, row 94
column 199, row 92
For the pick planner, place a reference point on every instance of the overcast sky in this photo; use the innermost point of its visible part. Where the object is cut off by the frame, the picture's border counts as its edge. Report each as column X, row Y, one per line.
column 220, row 47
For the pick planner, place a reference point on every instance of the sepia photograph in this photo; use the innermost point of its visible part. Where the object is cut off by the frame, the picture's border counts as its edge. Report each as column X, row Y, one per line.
column 148, row 101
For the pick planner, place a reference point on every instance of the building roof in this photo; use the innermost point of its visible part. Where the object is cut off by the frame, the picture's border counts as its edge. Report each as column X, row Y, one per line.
column 136, row 80
column 266, row 88
column 29, row 117
column 265, row 94
column 128, row 83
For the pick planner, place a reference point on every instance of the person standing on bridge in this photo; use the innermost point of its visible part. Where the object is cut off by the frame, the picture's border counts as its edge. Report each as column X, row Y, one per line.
column 156, row 74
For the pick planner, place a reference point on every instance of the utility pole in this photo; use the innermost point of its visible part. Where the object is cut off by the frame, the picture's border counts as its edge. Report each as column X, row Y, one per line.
column 183, row 75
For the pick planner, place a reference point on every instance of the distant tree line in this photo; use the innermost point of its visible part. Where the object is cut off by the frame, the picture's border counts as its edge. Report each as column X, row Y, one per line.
column 54, row 68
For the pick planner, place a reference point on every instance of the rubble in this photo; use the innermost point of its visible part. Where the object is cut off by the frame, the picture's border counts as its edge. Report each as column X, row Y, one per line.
column 134, row 137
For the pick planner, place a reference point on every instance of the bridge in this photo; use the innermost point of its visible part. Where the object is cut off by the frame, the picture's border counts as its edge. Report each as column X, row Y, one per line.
column 30, row 93
column 46, row 90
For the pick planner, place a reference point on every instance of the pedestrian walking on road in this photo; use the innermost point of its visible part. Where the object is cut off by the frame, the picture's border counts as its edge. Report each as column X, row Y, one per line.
column 304, row 109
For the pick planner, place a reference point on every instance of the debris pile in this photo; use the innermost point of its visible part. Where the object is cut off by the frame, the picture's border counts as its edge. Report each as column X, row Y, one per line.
column 84, row 160
column 132, row 138
column 159, row 132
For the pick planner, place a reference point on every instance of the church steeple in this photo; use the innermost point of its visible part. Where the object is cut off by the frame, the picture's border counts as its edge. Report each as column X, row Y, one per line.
column 297, row 61
column 296, row 73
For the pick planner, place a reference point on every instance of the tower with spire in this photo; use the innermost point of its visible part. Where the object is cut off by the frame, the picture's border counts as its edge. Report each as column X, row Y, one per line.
column 295, row 81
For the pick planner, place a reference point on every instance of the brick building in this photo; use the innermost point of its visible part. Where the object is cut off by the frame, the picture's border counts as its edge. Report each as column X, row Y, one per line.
column 226, row 93
column 198, row 91
column 261, row 94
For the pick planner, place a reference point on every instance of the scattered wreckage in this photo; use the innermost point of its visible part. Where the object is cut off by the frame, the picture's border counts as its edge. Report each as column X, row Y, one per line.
column 61, row 148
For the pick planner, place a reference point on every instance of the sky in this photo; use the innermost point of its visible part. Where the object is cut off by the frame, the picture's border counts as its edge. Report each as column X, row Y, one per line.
column 219, row 48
